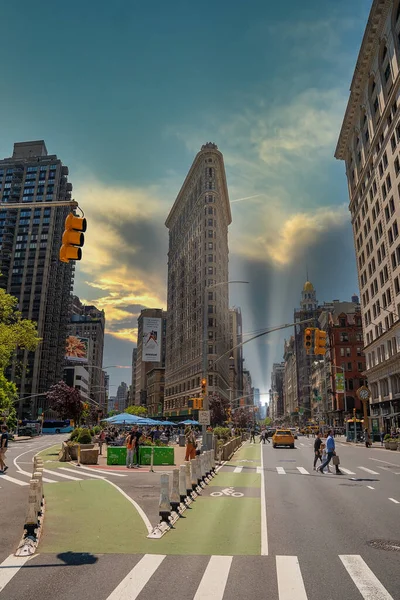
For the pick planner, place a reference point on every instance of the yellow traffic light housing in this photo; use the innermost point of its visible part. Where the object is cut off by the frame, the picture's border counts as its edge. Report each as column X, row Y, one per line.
column 308, row 339
column 204, row 386
column 73, row 238
column 320, row 342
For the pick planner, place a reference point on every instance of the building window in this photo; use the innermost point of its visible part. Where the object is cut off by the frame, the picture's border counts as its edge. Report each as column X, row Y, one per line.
column 349, row 366
column 344, row 337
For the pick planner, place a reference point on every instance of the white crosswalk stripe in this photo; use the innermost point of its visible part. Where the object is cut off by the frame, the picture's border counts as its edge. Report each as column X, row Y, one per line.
column 346, row 471
column 10, row 567
column 12, row 480
column 83, row 473
column 281, row 471
column 302, row 470
column 238, row 469
column 214, row 580
column 370, row 471
column 393, row 500
column 290, row 580
column 259, row 470
column 113, row 473
column 131, row 586
column 45, row 479
column 366, row 582
column 56, row 472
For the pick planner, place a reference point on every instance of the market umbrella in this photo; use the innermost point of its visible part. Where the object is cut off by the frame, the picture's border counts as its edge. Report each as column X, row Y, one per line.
column 189, row 422
column 126, row 418
column 167, row 423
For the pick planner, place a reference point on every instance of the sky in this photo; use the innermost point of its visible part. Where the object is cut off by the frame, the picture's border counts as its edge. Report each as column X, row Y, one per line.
column 126, row 92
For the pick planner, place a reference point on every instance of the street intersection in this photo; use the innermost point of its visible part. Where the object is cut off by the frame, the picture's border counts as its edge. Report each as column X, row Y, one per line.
column 267, row 526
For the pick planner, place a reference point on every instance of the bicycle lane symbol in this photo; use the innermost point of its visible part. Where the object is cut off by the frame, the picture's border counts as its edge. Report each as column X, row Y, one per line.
column 227, row 492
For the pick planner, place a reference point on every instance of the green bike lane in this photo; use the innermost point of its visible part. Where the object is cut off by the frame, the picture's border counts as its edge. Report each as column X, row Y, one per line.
column 95, row 516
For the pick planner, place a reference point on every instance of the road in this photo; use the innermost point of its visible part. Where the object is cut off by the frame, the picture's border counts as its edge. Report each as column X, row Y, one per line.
column 314, row 532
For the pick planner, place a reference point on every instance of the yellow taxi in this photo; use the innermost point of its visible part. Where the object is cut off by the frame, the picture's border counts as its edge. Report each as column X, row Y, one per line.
column 283, row 437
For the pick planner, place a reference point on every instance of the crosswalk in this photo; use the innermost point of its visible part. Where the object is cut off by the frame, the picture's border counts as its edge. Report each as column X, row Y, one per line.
column 307, row 471
column 21, row 477
column 283, row 571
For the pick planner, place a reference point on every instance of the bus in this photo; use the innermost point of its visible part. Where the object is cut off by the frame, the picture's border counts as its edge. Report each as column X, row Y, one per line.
column 57, row 426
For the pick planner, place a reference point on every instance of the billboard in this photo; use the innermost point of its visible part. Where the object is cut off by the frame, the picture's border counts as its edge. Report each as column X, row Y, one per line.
column 340, row 382
column 76, row 349
column 151, row 339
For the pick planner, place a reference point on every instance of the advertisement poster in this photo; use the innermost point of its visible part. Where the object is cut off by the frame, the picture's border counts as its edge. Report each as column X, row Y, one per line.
column 151, row 340
column 76, row 349
column 340, row 382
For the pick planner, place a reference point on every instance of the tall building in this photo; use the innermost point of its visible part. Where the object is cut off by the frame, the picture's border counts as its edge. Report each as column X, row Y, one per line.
column 198, row 309
column 236, row 356
column 277, row 377
column 30, row 239
column 87, row 322
column 122, row 393
column 144, row 363
column 369, row 144
column 133, row 384
column 290, row 399
column 77, row 376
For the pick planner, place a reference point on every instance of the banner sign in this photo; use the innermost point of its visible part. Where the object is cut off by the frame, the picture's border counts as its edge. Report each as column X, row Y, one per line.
column 151, row 351
column 340, row 382
column 77, row 349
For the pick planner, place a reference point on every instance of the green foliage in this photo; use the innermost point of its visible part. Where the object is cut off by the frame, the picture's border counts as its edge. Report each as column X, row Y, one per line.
column 222, row 433
column 218, row 410
column 8, row 396
column 267, row 421
column 15, row 332
column 66, row 401
column 139, row 411
column 96, row 430
column 387, row 437
column 85, row 437
column 112, row 413
column 75, row 434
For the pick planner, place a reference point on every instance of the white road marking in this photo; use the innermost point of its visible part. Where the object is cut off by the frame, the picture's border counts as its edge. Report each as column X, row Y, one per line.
column 80, row 472
column 290, row 580
column 238, row 469
column 213, row 582
column 259, row 470
column 301, row 444
column 30, row 475
column 55, row 472
column 264, row 529
column 385, row 462
column 370, row 487
column 281, row 471
column 344, row 445
column 366, row 582
column 346, row 471
column 393, row 500
column 12, row 480
column 100, row 471
column 369, row 471
column 10, row 567
column 138, row 508
column 131, row 586
column 302, row 470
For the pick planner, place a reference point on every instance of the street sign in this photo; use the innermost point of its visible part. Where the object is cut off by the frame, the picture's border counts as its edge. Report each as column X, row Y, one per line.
column 204, row 417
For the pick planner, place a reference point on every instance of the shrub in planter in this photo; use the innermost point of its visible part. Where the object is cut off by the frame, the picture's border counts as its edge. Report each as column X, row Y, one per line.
column 85, row 437
column 96, row 430
column 387, row 437
column 75, row 434
column 223, row 433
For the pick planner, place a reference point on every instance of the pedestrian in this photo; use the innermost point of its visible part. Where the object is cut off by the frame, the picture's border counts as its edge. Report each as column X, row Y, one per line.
column 367, row 439
column 3, row 448
column 252, row 435
column 317, row 450
column 190, row 443
column 262, row 436
column 382, row 436
column 130, row 442
column 136, row 458
column 330, row 451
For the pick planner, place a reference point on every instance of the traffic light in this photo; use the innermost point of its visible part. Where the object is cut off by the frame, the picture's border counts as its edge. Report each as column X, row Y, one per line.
column 307, row 339
column 73, row 238
column 320, row 342
column 204, row 386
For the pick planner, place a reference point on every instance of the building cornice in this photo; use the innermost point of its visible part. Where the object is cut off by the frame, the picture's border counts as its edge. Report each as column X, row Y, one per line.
column 371, row 39
column 204, row 151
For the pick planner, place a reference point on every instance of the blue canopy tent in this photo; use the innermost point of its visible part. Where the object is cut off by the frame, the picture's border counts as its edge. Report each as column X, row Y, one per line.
column 189, row 422
column 169, row 423
column 126, row 418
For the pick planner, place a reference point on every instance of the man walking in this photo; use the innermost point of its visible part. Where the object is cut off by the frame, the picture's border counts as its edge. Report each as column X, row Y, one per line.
column 252, row 435
column 136, row 459
column 330, row 450
column 3, row 448
column 317, row 450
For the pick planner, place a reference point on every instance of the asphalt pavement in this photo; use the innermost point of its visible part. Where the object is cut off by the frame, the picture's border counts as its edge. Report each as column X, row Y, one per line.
column 315, row 536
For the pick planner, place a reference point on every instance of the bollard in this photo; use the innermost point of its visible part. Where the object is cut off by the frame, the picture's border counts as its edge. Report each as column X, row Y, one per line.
column 152, row 459
column 193, row 473
column 182, row 483
column 175, row 501
column 198, row 475
column 188, row 479
column 165, row 506
column 39, row 478
column 78, row 462
column 208, row 466
column 31, row 518
column 213, row 461
column 202, row 470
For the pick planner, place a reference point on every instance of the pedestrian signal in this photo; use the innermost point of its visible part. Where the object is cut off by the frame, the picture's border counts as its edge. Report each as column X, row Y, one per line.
column 307, row 339
column 73, row 238
column 320, row 342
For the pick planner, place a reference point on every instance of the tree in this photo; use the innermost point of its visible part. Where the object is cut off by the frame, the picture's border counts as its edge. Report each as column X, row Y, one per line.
column 8, row 397
column 112, row 413
column 242, row 418
column 65, row 401
column 15, row 332
column 267, row 421
column 218, row 410
column 139, row 411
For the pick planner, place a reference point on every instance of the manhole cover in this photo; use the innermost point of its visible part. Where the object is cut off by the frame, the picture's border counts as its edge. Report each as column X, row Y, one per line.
column 389, row 545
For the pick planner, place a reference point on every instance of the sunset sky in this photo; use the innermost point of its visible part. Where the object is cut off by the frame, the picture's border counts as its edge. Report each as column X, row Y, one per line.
column 126, row 92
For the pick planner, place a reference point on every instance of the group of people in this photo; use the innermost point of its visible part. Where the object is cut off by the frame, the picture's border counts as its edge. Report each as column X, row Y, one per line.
column 325, row 452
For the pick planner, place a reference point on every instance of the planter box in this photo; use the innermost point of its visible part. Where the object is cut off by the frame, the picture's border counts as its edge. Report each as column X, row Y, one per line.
column 116, row 455
column 393, row 445
column 387, row 445
column 89, row 457
column 163, row 455
column 73, row 450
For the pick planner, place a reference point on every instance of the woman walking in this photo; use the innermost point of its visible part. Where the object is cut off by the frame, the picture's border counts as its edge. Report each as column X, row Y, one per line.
column 190, row 443
column 130, row 443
